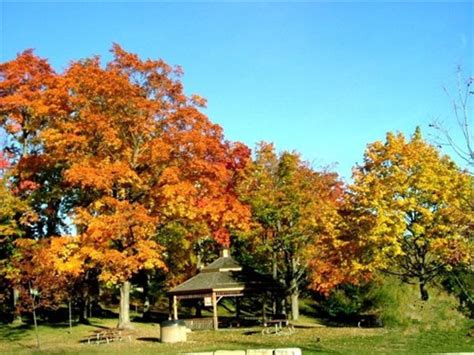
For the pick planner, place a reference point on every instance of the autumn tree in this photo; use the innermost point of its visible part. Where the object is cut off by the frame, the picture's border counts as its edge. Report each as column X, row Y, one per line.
column 43, row 271
column 15, row 216
column 26, row 108
column 66, row 261
column 23, row 111
column 343, row 256
column 35, row 180
column 292, row 206
column 119, row 148
column 144, row 159
column 417, row 209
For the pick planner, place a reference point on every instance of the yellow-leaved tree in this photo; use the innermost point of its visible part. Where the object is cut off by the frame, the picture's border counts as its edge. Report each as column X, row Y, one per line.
column 416, row 206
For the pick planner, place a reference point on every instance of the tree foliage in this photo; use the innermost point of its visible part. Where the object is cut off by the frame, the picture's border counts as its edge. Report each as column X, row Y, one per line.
column 110, row 170
column 122, row 151
column 417, row 207
column 292, row 207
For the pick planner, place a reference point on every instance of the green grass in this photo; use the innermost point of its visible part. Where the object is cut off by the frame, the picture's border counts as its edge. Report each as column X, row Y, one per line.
column 414, row 339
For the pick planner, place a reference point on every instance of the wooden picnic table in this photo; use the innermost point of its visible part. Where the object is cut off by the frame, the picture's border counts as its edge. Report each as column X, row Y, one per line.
column 108, row 336
column 277, row 326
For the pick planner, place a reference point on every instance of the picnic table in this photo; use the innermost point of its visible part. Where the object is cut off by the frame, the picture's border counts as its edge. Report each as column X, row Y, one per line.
column 278, row 326
column 108, row 336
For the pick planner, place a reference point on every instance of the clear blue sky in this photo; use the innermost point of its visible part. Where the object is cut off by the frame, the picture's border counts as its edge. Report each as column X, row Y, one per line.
column 321, row 78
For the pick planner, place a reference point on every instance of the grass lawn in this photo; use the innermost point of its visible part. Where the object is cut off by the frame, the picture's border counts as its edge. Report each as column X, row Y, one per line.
column 56, row 339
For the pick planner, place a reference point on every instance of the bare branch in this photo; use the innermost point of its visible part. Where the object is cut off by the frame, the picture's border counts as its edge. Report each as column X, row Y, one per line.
column 462, row 115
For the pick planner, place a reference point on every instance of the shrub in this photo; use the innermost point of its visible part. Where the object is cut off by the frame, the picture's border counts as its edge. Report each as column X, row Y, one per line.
column 390, row 302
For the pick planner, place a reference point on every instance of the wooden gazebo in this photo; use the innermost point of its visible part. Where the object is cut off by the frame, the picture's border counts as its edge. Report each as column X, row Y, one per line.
column 222, row 278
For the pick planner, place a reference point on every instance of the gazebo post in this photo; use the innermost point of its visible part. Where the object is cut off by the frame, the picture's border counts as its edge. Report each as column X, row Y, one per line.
column 214, row 311
column 175, row 308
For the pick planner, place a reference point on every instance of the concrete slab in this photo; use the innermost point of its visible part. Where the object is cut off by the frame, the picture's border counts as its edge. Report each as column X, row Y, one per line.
column 287, row 351
column 259, row 351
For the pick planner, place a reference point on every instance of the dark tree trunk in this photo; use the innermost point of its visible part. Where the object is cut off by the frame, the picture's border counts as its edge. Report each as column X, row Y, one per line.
column 237, row 307
column 275, row 305
column 89, row 306
column 423, row 292
column 70, row 314
column 83, row 313
column 199, row 308
column 146, row 294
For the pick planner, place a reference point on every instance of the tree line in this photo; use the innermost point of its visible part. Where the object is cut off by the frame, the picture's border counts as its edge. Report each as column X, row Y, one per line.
column 111, row 174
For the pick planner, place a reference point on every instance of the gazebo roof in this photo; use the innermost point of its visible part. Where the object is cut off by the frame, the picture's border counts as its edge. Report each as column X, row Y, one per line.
column 223, row 264
column 224, row 276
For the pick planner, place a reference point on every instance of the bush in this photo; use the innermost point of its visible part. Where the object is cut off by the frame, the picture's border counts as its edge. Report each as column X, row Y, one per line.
column 349, row 304
column 390, row 302
column 460, row 283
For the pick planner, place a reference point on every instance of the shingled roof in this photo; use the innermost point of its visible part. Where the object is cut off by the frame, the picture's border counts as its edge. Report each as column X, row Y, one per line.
column 225, row 274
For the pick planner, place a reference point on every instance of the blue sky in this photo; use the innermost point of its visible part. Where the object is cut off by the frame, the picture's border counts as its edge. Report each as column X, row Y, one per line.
column 322, row 78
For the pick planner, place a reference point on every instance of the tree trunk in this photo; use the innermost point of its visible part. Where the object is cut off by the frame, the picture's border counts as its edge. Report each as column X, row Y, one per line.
column 16, row 312
column 70, row 315
column 84, row 310
column 89, row 306
column 294, row 290
column 146, row 294
column 295, row 308
column 237, row 307
column 36, row 329
column 35, row 322
column 199, row 264
column 275, row 308
column 124, row 312
column 423, row 292
column 84, row 313
column 198, row 309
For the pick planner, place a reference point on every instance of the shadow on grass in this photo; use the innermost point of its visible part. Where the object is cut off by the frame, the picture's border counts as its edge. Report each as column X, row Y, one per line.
column 149, row 339
column 14, row 333
column 151, row 317
column 17, row 334
column 252, row 332
column 100, row 326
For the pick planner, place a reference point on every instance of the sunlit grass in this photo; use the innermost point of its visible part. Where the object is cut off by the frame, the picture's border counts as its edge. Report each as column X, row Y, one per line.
column 21, row 339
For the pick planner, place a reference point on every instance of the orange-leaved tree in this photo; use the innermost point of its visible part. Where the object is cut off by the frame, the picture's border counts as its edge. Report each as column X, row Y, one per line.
column 34, row 274
column 342, row 256
column 141, row 156
column 27, row 106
